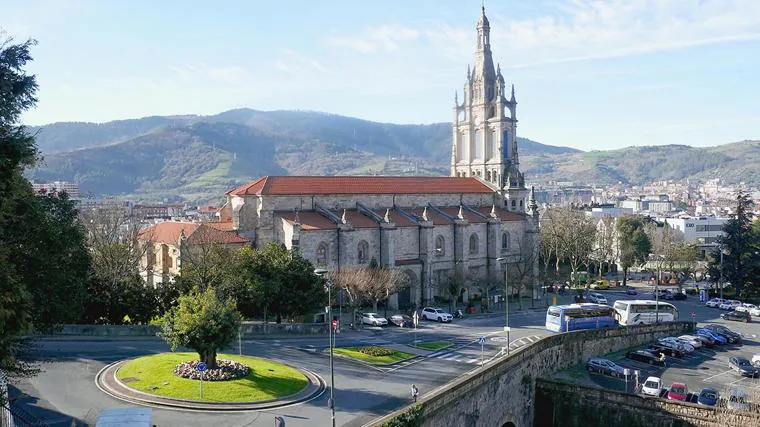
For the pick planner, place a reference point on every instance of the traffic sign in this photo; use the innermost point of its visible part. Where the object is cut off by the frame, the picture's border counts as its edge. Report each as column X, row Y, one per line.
column 334, row 324
column 279, row 422
column 201, row 367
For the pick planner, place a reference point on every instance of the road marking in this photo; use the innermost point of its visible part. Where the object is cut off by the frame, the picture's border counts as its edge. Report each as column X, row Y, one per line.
column 717, row 375
column 737, row 381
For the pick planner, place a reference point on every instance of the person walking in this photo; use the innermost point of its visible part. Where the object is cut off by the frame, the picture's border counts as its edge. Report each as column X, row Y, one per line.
column 415, row 392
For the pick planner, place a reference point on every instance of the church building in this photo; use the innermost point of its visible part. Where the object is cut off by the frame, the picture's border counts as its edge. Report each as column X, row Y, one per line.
column 471, row 225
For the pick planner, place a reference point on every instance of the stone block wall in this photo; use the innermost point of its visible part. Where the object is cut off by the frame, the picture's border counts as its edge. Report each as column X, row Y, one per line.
column 247, row 328
column 503, row 392
column 571, row 405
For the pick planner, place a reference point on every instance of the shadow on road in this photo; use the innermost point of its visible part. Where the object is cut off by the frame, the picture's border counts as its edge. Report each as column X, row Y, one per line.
column 28, row 412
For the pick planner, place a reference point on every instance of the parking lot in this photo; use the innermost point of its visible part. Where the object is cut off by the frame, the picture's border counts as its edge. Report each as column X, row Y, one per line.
column 705, row 367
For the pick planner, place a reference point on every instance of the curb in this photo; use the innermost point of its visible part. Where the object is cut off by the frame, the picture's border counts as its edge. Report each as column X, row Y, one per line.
column 315, row 388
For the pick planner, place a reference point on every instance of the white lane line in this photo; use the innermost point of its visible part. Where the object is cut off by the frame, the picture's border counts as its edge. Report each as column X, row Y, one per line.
column 717, row 375
column 737, row 381
column 471, row 361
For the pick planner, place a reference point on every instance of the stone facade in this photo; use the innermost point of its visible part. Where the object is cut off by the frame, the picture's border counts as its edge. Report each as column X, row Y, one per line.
column 502, row 393
column 469, row 225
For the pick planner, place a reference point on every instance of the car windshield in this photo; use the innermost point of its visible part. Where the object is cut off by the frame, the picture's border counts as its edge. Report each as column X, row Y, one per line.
column 709, row 395
column 679, row 389
column 371, row 314
column 651, row 384
column 438, row 310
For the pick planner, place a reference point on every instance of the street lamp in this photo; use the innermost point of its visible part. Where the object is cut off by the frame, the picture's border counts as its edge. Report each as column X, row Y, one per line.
column 506, row 296
column 321, row 272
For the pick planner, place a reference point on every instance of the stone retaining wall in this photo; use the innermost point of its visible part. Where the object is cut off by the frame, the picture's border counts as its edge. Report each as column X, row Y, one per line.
column 503, row 392
column 572, row 405
column 247, row 328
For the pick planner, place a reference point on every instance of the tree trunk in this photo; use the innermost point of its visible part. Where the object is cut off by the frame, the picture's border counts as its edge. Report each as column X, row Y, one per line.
column 209, row 358
column 625, row 276
column 374, row 306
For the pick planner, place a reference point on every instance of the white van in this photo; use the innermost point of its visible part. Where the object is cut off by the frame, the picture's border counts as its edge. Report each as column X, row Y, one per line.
column 652, row 387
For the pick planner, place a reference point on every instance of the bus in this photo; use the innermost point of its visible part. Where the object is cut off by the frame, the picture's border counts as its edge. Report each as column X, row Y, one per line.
column 644, row 312
column 572, row 317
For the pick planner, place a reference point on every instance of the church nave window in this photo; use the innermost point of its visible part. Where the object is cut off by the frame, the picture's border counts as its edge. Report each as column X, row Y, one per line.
column 322, row 254
column 362, row 252
column 440, row 248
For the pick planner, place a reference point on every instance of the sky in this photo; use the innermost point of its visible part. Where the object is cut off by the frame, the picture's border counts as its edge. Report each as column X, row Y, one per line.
column 593, row 75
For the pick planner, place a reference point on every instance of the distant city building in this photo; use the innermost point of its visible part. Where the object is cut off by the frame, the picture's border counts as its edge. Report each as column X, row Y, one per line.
column 163, row 211
column 57, row 186
column 609, row 211
column 699, row 230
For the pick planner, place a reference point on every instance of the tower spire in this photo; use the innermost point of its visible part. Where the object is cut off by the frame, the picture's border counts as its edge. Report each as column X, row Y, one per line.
column 513, row 93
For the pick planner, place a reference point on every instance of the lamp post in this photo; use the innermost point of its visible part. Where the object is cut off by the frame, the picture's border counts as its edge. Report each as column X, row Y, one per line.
column 721, row 272
column 506, row 297
column 321, row 272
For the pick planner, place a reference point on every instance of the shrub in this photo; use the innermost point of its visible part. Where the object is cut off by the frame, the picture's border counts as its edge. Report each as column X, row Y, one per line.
column 376, row 351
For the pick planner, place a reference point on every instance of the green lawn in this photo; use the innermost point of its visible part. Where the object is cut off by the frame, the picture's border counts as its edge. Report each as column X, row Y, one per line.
column 266, row 379
column 432, row 345
column 354, row 352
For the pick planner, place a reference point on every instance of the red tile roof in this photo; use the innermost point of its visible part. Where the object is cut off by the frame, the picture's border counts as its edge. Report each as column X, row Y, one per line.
column 303, row 185
column 468, row 215
column 397, row 218
column 434, row 216
column 309, row 220
column 168, row 232
column 504, row 214
column 357, row 219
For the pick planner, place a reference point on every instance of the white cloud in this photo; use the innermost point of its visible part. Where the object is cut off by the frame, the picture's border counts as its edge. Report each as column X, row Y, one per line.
column 295, row 63
column 582, row 30
column 387, row 38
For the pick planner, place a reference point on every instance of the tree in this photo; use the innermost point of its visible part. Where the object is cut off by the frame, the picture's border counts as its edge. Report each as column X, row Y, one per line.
column 452, row 285
column 605, row 247
column 353, row 281
column 574, row 233
column 43, row 263
column 384, row 282
column 521, row 271
column 664, row 247
column 202, row 322
column 633, row 243
column 740, row 245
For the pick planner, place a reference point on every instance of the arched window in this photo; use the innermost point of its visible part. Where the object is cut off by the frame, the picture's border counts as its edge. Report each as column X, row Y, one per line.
column 521, row 203
column 505, row 241
column 488, row 176
column 514, row 203
column 440, row 248
column 473, row 244
column 362, row 252
column 322, row 254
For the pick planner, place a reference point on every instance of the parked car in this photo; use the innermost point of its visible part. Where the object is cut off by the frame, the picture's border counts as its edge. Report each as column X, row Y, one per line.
column 679, row 296
column 736, row 315
column 755, row 311
column 715, row 302
column 600, row 284
column 373, row 319
column 402, row 320
column 719, row 339
column 705, row 340
column 730, row 305
column 659, row 293
column 745, row 307
column 659, row 349
column 743, row 367
column 430, row 313
column 708, row 397
column 731, row 336
column 605, row 367
column 685, row 347
column 631, row 291
column 652, row 387
column 678, row 391
column 737, row 399
column 646, row 357
column 691, row 340
column 596, row 298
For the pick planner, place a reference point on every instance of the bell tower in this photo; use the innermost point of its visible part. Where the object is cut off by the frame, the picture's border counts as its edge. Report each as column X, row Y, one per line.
column 484, row 143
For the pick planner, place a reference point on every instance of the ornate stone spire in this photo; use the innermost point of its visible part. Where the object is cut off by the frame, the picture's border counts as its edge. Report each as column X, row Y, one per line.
column 493, row 212
column 425, row 214
column 387, row 217
column 297, row 218
column 460, row 215
column 513, row 93
column 343, row 217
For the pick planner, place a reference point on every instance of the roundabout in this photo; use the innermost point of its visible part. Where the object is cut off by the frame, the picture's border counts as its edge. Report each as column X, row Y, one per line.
column 157, row 380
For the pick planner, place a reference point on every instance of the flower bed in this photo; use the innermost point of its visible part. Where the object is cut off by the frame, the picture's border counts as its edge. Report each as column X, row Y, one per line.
column 226, row 370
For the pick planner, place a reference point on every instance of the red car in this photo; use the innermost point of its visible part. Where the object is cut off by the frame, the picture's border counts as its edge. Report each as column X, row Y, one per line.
column 678, row 391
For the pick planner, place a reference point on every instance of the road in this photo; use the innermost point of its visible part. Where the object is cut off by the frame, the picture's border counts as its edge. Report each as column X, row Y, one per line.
column 66, row 385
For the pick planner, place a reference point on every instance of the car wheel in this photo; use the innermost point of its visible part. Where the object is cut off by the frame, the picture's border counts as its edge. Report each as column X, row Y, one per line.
column 440, row 320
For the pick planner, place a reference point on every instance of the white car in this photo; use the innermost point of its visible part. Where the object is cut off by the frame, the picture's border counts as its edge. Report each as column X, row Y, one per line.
column 430, row 313
column 745, row 308
column 715, row 302
column 374, row 319
column 755, row 360
column 597, row 298
column 754, row 312
column 652, row 387
column 730, row 305
column 686, row 348
column 691, row 340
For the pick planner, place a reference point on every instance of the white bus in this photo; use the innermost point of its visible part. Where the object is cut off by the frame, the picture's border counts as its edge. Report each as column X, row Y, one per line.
column 644, row 312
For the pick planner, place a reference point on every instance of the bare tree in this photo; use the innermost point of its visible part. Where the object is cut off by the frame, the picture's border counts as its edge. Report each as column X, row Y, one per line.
column 521, row 273
column 606, row 239
column 575, row 234
column 353, row 281
column 383, row 282
column 452, row 284
column 665, row 248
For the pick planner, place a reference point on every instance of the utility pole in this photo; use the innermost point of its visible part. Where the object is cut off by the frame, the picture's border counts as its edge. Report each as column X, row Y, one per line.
column 506, row 298
column 321, row 272
column 721, row 272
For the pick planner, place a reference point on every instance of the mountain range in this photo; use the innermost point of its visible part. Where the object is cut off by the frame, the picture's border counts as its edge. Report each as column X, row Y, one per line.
column 198, row 158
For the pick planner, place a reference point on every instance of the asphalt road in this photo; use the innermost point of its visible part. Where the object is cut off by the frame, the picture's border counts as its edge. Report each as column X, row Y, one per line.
column 66, row 387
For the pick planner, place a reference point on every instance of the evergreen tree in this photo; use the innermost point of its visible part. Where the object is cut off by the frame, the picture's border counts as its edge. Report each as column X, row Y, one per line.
column 740, row 245
column 633, row 244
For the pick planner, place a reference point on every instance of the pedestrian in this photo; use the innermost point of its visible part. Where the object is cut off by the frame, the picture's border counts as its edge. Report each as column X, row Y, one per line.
column 414, row 393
